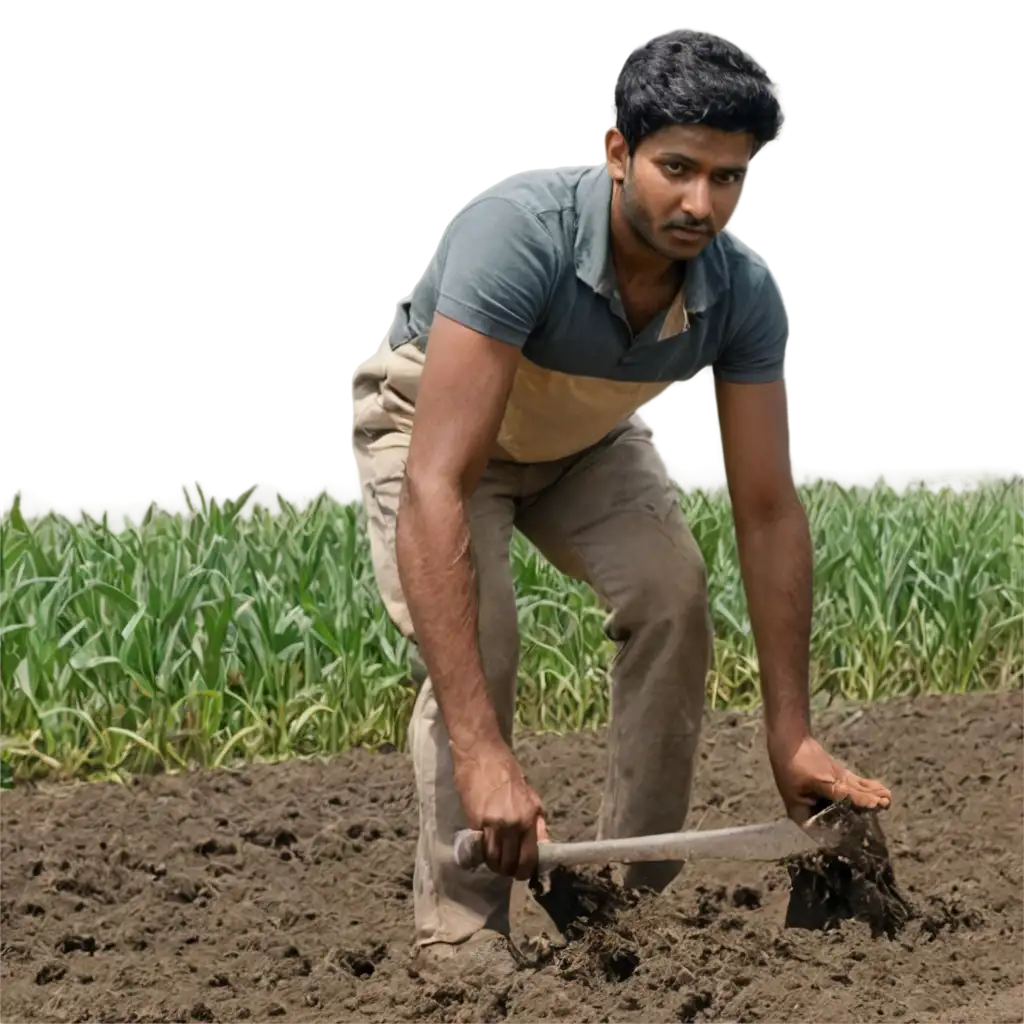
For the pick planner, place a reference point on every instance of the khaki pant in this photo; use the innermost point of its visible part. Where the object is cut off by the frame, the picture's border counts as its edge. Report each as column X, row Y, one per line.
column 608, row 516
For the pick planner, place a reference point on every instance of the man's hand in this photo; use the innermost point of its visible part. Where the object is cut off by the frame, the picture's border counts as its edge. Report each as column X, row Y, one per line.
column 498, row 801
column 806, row 773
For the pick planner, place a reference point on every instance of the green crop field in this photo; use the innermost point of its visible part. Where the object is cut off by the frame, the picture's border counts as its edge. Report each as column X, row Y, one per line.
column 200, row 639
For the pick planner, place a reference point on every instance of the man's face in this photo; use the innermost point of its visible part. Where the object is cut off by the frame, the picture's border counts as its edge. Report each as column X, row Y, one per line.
column 680, row 187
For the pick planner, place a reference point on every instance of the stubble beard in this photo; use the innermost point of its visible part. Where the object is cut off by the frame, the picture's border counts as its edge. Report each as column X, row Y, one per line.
column 640, row 222
column 641, row 225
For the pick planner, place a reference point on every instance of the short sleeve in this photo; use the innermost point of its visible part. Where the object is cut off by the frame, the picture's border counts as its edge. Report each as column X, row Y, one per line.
column 755, row 352
column 500, row 266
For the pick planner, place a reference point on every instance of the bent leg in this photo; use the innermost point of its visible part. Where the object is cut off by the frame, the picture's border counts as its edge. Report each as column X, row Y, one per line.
column 450, row 903
column 613, row 520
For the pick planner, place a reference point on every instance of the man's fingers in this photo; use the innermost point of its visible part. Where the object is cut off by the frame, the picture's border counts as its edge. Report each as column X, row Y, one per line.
column 878, row 793
column 871, row 785
column 527, row 855
column 878, row 789
column 510, row 845
column 492, row 848
column 868, row 801
column 502, row 849
column 870, row 795
column 867, row 793
column 543, row 836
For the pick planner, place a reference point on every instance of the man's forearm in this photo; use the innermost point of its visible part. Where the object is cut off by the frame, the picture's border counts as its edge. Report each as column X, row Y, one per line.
column 776, row 562
column 439, row 585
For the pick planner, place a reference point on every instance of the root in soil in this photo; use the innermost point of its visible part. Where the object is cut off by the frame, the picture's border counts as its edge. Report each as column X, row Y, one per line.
column 854, row 880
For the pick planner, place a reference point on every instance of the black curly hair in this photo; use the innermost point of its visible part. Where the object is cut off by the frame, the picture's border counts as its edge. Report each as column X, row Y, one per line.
column 688, row 77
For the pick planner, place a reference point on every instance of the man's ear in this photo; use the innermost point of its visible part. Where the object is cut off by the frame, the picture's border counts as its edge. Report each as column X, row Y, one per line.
column 616, row 154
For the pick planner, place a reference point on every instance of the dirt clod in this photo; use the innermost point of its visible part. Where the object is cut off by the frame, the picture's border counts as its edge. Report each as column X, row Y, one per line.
column 578, row 901
column 694, row 1003
column 853, row 881
column 746, row 896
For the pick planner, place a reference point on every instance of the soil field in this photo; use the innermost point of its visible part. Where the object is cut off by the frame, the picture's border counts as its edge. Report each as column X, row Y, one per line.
column 283, row 893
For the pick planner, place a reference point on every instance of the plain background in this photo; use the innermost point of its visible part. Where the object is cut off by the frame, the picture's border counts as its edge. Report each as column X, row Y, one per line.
column 205, row 214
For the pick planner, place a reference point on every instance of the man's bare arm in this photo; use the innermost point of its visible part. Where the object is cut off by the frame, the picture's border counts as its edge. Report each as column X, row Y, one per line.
column 774, row 545
column 463, row 391
column 776, row 558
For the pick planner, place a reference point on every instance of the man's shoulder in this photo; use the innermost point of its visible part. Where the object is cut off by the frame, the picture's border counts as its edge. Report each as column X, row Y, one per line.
column 743, row 268
column 540, row 191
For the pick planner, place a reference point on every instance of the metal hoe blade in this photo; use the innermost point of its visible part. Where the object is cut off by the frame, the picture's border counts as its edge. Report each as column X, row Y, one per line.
column 769, row 841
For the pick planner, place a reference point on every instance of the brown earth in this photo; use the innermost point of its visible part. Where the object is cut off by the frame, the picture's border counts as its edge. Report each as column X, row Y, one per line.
column 284, row 892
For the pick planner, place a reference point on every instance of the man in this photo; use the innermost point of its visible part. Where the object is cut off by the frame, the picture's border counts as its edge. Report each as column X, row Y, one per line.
column 504, row 397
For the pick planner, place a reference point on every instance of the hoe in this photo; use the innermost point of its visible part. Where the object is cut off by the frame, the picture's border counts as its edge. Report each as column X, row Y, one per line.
column 769, row 841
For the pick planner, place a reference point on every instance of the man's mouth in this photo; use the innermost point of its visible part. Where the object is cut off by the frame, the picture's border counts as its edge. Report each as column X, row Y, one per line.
column 691, row 233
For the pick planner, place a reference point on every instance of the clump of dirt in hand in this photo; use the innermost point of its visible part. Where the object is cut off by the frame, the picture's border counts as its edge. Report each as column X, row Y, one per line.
column 852, row 879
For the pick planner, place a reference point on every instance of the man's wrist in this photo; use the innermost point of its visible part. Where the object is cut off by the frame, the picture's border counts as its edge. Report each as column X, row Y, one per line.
column 786, row 730
column 476, row 739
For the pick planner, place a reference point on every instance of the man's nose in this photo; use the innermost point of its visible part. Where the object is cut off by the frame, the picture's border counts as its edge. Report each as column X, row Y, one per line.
column 697, row 198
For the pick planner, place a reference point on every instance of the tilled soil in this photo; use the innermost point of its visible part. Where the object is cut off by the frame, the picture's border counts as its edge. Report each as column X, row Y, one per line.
column 284, row 892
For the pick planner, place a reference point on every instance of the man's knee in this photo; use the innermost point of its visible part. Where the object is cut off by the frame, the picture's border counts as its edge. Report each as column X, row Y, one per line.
column 675, row 593
column 668, row 586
